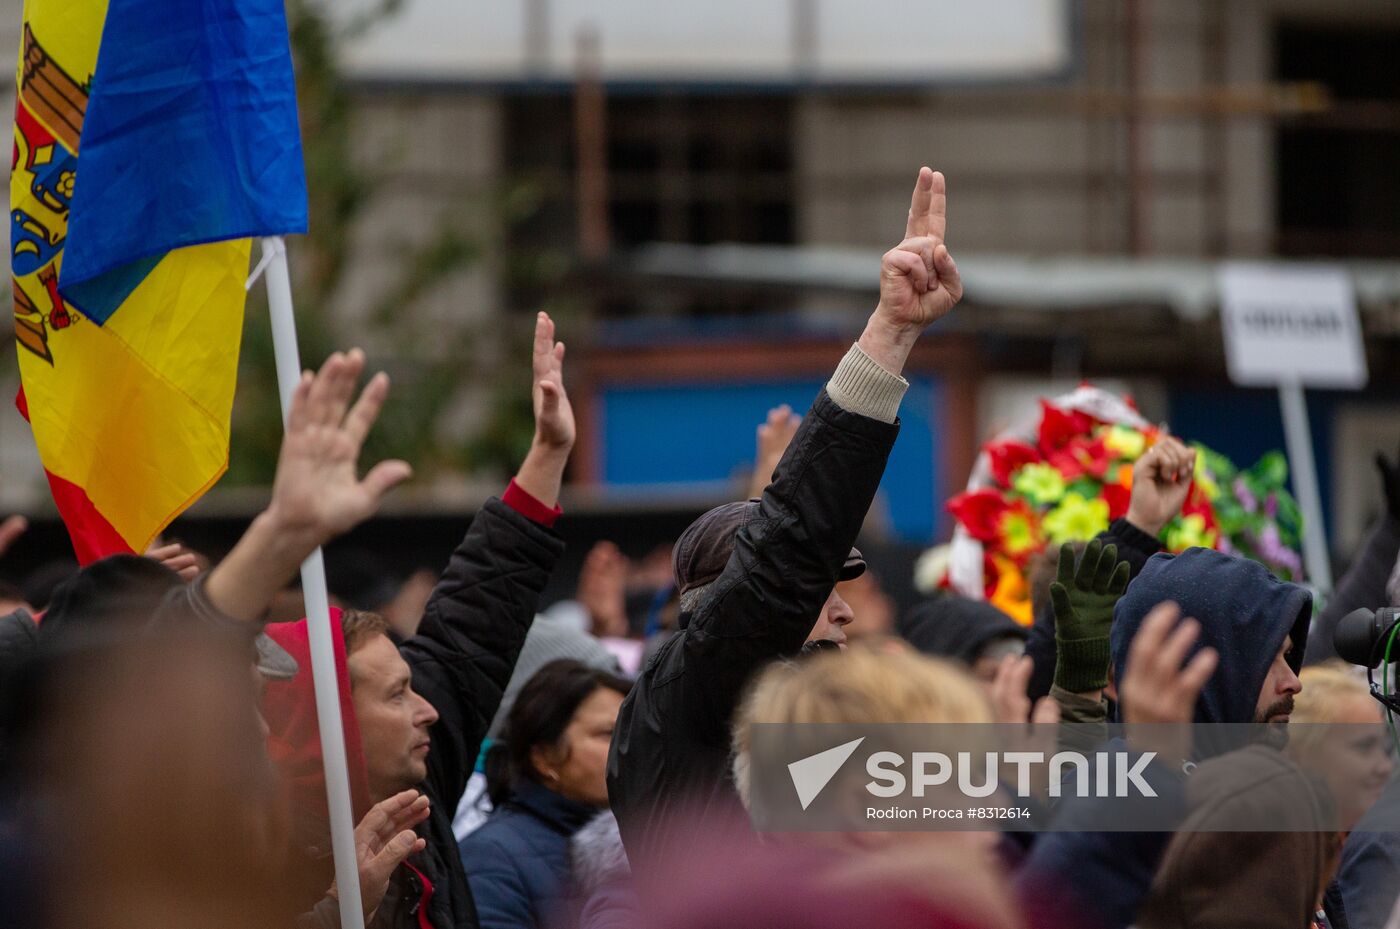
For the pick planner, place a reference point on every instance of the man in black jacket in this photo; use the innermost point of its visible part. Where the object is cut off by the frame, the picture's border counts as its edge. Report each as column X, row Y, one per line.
column 670, row 751
column 427, row 733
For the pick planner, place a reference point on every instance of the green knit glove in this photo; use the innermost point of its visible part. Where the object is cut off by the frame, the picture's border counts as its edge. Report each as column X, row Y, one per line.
column 1083, row 597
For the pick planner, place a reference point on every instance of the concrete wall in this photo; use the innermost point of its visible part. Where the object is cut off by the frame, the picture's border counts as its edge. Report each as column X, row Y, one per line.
column 1028, row 172
column 1032, row 171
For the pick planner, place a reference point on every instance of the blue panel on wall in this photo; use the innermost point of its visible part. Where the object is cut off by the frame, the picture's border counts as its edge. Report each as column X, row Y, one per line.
column 655, row 435
column 1244, row 424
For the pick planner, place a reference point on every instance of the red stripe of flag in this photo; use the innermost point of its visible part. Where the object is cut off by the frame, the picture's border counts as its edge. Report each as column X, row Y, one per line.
column 93, row 537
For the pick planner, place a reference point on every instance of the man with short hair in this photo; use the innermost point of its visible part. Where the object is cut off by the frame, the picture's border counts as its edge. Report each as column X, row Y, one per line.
column 757, row 578
column 415, row 715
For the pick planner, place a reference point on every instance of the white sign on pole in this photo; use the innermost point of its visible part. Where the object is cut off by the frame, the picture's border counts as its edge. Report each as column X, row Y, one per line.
column 1291, row 325
column 1290, row 328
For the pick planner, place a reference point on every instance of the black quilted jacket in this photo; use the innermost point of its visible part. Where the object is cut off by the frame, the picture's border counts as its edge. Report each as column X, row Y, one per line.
column 670, row 753
column 462, row 658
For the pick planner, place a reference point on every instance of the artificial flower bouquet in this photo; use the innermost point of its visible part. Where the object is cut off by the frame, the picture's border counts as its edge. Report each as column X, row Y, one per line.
column 1065, row 473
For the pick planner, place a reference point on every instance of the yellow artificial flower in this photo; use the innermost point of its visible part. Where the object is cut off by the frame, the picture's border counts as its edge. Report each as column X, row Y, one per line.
column 1204, row 481
column 1040, row 483
column 1125, row 442
column 1076, row 519
column 1190, row 533
column 1018, row 532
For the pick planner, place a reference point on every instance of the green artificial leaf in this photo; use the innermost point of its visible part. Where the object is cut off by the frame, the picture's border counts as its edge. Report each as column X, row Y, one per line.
column 1086, row 487
column 1290, row 519
column 1220, row 468
column 1269, row 472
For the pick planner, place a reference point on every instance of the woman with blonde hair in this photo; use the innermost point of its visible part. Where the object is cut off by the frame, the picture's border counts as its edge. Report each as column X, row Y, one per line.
column 1337, row 733
column 862, row 688
column 868, row 686
column 1337, row 730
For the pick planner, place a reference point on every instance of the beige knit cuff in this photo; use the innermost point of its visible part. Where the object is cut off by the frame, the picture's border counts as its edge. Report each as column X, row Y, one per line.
column 861, row 386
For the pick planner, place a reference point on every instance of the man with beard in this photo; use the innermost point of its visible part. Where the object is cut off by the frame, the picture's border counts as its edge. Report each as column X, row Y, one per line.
column 1258, row 625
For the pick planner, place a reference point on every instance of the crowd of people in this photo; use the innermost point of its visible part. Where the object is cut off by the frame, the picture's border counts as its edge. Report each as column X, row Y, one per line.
column 517, row 769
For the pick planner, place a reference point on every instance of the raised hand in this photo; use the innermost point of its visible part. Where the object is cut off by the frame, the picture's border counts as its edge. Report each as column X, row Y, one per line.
column 316, row 491
column 602, row 589
column 1161, row 481
column 1159, row 688
column 183, row 561
column 10, row 530
column 383, row 839
column 1083, row 596
column 919, row 281
column 774, row 436
column 554, row 416
column 542, row 473
column 1010, row 704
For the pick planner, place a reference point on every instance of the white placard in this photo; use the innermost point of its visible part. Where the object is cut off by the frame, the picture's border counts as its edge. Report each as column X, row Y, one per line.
column 1291, row 325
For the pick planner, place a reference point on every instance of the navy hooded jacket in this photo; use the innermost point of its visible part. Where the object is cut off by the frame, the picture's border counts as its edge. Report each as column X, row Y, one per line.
column 1245, row 613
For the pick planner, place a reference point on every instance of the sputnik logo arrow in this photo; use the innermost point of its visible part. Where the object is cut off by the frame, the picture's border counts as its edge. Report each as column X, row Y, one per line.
column 813, row 773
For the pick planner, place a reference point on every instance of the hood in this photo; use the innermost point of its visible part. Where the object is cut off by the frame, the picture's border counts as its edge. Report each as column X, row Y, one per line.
column 551, row 636
column 957, row 627
column 1244, row 611
column 1257, row 785
column 294, row 740
column 554, row 809
column 597, row 854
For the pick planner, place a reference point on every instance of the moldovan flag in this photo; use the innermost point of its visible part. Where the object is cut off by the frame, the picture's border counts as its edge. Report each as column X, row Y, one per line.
column 153, row 138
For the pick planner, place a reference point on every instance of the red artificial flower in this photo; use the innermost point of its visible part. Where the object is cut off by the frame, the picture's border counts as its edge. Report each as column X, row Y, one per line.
column 1198, row 504
column 1093, row 454
column 1058, row 427
column 979, row 512
column 1117, row 497
column 1067, row 463
column 1006, row 457
column 991, row 575
column 1082, row 456
column 1018, row 533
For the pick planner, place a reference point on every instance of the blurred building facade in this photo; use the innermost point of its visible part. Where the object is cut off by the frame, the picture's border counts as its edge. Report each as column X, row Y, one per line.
column 1112, row 132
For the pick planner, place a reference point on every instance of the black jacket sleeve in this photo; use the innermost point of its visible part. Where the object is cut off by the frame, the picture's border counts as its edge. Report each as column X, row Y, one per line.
column 785, row 560
column 1134, row 547
column 671, row 744
column 471, row 635
column 1362, row 586
column 19, row 637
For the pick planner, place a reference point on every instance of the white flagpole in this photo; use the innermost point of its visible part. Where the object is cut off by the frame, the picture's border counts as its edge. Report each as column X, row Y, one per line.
column 1298, row 438
column 313, row 586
